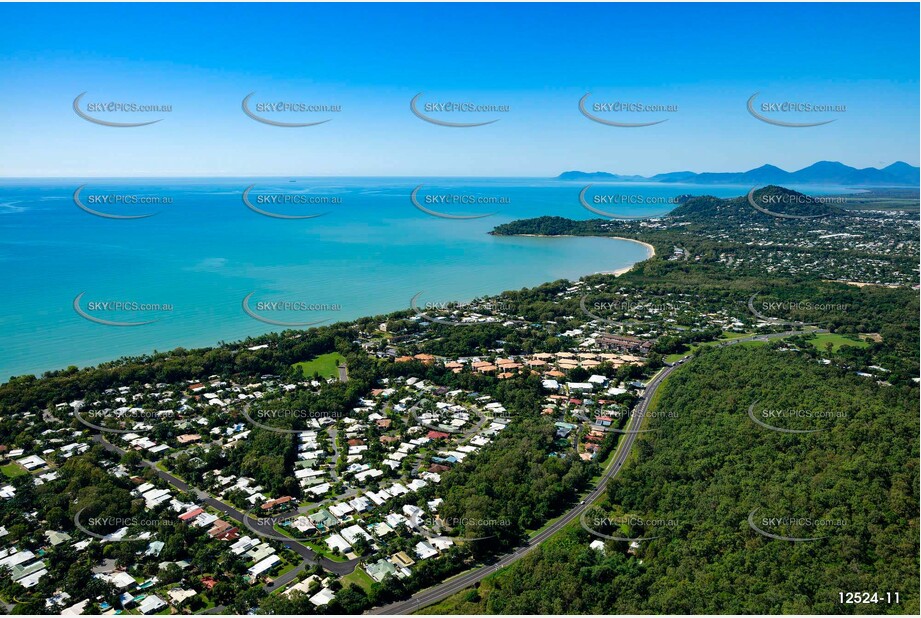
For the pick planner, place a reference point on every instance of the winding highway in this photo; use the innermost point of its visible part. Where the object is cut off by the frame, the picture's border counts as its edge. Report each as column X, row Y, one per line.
column 465, row 580
column 440, row 592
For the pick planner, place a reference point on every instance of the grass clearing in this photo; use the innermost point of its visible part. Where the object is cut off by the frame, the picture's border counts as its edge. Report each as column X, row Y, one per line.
column 359, row 577
column 12, row 470
column 820, row 341
column 288, row 566
column 325, row 365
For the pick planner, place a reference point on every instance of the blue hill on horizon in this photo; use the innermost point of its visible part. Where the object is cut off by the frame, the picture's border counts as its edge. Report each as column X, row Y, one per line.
column 823, row 172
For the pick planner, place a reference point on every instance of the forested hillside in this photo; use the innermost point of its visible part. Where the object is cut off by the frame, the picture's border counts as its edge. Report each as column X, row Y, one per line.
column 703, row 472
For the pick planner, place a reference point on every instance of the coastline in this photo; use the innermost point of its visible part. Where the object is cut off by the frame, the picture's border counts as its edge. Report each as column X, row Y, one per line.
column 650, row 253
column 204, row 341
column 650, row 250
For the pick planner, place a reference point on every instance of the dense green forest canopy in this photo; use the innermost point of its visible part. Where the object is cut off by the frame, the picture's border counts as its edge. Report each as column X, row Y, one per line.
column 708, row 466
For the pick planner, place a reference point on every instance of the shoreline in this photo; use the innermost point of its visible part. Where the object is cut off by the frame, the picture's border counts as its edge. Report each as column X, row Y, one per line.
column 215, row 343
column 650, row 250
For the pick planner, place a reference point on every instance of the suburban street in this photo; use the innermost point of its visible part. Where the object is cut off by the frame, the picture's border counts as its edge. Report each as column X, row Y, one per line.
column 467, row 579
column 305, row 552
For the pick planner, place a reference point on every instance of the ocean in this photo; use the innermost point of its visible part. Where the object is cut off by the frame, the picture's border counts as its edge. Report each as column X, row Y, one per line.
column 185, row 271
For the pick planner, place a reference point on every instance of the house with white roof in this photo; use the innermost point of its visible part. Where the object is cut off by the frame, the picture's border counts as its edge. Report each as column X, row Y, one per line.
column 353, row 533
column 335, row 541
column 264, row 566
column 151, row 604
column 424, row 551
column 323, row 597
column 32, row 462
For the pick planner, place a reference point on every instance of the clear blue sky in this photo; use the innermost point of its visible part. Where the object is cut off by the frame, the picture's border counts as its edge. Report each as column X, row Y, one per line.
column 538, row 59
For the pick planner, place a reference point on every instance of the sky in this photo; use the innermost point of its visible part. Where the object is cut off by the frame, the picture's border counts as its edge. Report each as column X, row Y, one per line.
column 539, row 60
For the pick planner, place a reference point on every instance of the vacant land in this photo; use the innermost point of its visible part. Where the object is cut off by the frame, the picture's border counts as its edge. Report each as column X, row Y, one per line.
column 820, row 341
column 12, row 470
column 359, row 577
column 325, row 365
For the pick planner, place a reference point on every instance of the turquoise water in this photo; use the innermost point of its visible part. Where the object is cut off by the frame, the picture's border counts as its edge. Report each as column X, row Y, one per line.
column 205, row 251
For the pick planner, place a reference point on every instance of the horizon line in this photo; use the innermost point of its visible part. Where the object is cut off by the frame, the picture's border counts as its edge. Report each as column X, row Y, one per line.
column 540, row 177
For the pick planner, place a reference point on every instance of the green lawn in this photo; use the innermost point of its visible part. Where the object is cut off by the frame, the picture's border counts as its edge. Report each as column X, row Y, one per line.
column 358, row 576
column 288, row 566
column 819, row 341
column 326, row 365
column 13, row 469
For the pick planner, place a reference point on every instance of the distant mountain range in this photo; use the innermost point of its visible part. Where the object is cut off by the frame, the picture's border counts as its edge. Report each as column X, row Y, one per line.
column 898, row 174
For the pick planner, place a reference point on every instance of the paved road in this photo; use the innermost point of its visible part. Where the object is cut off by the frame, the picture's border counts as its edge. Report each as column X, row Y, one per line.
column 283, row 580
column 465, row 580
column 259, row 526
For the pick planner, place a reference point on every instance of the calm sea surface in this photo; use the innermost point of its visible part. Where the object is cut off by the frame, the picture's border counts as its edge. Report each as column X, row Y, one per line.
column 205, row 250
